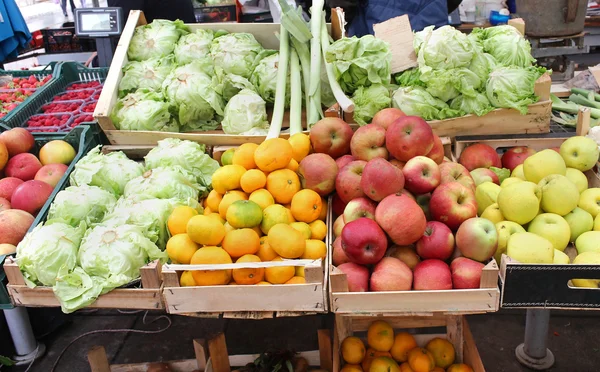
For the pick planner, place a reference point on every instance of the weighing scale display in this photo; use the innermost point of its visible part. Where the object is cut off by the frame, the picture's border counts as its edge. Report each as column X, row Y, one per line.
column 94, row 22
column 98, row 22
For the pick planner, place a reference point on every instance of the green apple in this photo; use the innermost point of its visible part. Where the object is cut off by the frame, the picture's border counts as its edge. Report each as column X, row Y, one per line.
column 579, row 222
column 561, row 257
column 589, row 200
column 587, row 258
column 493, row 213
column 505, row 229
column 486, row 194
column 552, row 227
column 542, row 164
column 520, row 202
column 578, row 178
column 580, row 153
column 510, row 180
column 530, row 248
column 559, row 195
column 518, row 172
column 588, row 242
column 597, row 223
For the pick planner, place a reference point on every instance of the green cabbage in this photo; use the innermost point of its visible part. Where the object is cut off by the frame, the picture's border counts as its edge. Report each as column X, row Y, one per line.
column 194, row 46
column 448, row 84
column 420, row 38
column 369, row 101
column 513, row 87
column 75, row 289
column 244, row 112
column 164, row 183
column 327, row 97
column 482, row 64
column 155, row 40
column 477, row 104
column 416, row 101
column 264, row 78
column 143, row 110
column 186, row 154
column 360, row 62
column 46, row 249
column 81, row 203
column 110, row 172
column 193, row 94
column 230, row 85
column 148, row 74
column 445, row 48
column 236, row 53
column 409, row 78
column 506, row 45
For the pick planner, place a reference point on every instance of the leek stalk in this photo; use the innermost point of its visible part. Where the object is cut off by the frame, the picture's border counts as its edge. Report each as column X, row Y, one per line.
column 345, row 103
column 292, row 20
column 314, row 108
column 282, row 69
column 295, row 94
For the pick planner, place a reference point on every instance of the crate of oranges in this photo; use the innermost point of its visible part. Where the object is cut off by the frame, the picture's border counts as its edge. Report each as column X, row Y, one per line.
column 260, row 245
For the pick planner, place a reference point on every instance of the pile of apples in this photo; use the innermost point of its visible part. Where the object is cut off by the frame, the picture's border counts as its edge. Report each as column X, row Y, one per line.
column 26, row 181
column 399, row 203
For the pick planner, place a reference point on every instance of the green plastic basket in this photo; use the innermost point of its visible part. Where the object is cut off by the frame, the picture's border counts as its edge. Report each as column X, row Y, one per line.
column 83, row 138
column 65, row 73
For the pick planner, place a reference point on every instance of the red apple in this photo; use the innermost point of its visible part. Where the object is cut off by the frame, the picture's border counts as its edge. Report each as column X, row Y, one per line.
column 318, row 173
column 397, row 163
column 437, row 151
column 432, row 275
column 557, row 149
column 338, row 255
column 387, row 116
column 380, row 179
column 357, row 277
column 8, row 186
column 14, row 224
column 401, row 218
column 480, row 155
column 363, row 241
column 338, row 205
column 51, row 173
column 17, row 141
column 452, row 203
column 347, row 183
column 4, row 204
column 422, row 175
column 391, row 274
column 423, row 201
column 338, row 225
column 359, row 207
column 477, row 239
column 409, row 194
column 437, row 242
column 481, row 175
column 23, row 166
column 368, row 143
column 405, row 253
column 466, row 273
column 343, row 160
column 409, row 136
column 454, row 172
column 31, row 196
column 516, row 156
column 331, row 136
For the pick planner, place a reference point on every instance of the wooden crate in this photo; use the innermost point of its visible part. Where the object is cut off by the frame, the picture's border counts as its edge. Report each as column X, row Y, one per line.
column 265, row 34
column 148, row 297
column 499, row 121
column 457, row 332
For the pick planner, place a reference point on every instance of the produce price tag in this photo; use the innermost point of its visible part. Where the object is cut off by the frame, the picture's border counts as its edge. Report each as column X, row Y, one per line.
column 398, row 33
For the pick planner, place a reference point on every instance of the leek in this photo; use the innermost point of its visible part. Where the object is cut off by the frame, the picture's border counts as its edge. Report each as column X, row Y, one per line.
column 581, row 100
column 314, row 108
column 304, row 55
column 585, row 92
column 571, row 107
column 295, row 94
column 282, row 68
column 292, row 20
column 345, row 103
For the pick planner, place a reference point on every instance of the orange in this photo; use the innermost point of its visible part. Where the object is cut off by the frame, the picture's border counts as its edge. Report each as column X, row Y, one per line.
column 293, row 165
column 257, row 230
column 283, row 184
column 187, row 279
column 244, row 156
column 265, row 252
column 241, row 242
column 273, row 215
column 228, row 227
column 296, row 280
column 213, row 200
column 227, row 157
column 303, row 228
column 227, row 178
column 300, row 271
column 262, row 197
column 438, row 369
column 371, row 355
column 244, row 213
column 300, row 147
column 459, row 368
column 279, row 274
column 216, row 217
column 323, row 215
column 207, row 211
column 263, row 283
column 442, row 351
column 405, row 367
column 314, row 250
column 380, row 336
column 286, row 241
column 352, row 368
column 384, row 364
column 318, row 230
column 228, row 199
column 403, row 343
column 205, row 230
column 211, row 255
column 252, row 180
column 250, row 275
column 353, row 350
column 306, row 206
column 420, row 360
column 273, row 154
column 178, row 219
column 181, row 248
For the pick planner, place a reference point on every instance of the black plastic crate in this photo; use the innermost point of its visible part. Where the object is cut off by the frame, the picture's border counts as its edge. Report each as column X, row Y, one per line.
column 64, row 40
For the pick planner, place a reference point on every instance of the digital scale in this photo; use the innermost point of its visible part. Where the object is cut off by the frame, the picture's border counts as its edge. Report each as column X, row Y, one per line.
column 103, row 24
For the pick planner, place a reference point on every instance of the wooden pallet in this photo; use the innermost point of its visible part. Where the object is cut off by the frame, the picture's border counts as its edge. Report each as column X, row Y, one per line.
column 457, row 332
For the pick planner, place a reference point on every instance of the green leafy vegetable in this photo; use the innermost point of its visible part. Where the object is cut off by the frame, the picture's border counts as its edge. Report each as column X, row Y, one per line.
column 506, row 45
column 482, row 64
column 477, row 104
column 81, row 203
column 230, row 85
column 416, row 101
column 164, row 183
column 76, row 289
column 143, row 110
column 420, row 38
column 513, row 87
column 443, row 49
column 409, row 78
column 155, row 40
column 235, row 53
column 148, row 74
column 264, row 79
column 244, row 112
column 194, row 46
column 369, row 101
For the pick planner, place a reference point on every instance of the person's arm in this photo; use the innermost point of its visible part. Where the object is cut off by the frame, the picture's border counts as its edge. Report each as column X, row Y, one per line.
column 350, row 7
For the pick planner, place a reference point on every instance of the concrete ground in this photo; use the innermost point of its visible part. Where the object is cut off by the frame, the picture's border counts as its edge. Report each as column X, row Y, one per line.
column 572, row 338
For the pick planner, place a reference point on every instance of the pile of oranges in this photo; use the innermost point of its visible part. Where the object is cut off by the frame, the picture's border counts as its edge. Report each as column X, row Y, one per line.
column 256, row 212
column 398, row 352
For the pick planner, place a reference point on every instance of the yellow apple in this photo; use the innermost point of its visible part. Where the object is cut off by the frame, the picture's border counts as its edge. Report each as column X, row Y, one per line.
column 518, row 172
column 530, row 248
column 579, row 222
column 552, row 227
column 520, row 202
column 542, row 164
column 589, row 200
column 510, row 180
column 578, row 178
column 493, row 213
column 597, row 223
column 561, row 257
column 57, row 152
column 587, row 258
column 588, row 242
column 7, row 249
column 559, row 195
column 505, row 229
column 580, row 153
column 486, row 194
